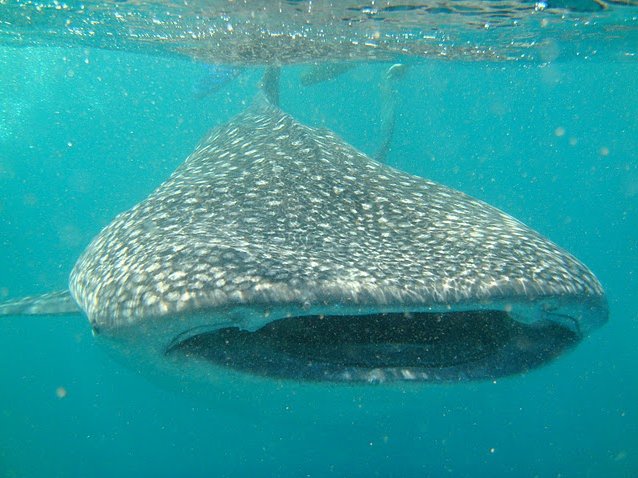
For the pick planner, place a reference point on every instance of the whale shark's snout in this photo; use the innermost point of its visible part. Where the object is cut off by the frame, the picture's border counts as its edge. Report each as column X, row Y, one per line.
column 280, row 250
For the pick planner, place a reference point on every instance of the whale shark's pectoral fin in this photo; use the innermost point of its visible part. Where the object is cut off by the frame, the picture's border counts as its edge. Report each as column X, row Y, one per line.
column 52, row 303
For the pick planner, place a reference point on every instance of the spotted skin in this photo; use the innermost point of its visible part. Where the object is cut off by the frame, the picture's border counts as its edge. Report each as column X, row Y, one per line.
column 272, row 214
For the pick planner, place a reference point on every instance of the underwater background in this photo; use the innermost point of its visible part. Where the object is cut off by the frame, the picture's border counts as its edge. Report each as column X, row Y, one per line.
column 87, row 133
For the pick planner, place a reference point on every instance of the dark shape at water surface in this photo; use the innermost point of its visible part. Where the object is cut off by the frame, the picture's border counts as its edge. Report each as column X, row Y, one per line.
column 280, row 250
column 282, row 33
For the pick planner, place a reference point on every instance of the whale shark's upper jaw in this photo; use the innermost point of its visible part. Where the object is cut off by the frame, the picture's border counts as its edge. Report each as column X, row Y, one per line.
column 281, row 250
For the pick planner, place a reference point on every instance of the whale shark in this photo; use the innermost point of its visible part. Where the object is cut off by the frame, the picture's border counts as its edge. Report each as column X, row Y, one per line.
column 279, row 250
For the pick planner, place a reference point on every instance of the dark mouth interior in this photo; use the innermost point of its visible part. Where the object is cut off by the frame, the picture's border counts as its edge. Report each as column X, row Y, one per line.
column 448, row 346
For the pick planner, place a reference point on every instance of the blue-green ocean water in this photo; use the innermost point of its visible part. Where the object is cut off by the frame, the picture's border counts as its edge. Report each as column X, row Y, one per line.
column 85, row 134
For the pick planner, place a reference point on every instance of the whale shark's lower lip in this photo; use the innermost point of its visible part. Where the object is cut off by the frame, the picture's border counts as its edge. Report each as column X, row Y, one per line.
column 416, row 346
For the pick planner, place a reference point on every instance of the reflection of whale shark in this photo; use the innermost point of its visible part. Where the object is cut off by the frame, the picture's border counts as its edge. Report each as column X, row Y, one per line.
column 280, row 250
column 302, row 32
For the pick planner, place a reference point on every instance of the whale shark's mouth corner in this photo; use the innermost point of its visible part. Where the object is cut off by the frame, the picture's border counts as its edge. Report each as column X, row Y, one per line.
column 385, row 347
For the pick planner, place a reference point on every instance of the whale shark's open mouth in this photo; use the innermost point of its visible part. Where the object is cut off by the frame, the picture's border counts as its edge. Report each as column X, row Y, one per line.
column 421, row 346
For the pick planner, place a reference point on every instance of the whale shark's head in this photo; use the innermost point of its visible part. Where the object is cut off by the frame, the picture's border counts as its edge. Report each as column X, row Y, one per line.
column 280, row 250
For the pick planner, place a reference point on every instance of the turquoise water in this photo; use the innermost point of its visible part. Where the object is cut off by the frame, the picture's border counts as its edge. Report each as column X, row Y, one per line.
column 87, row 133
